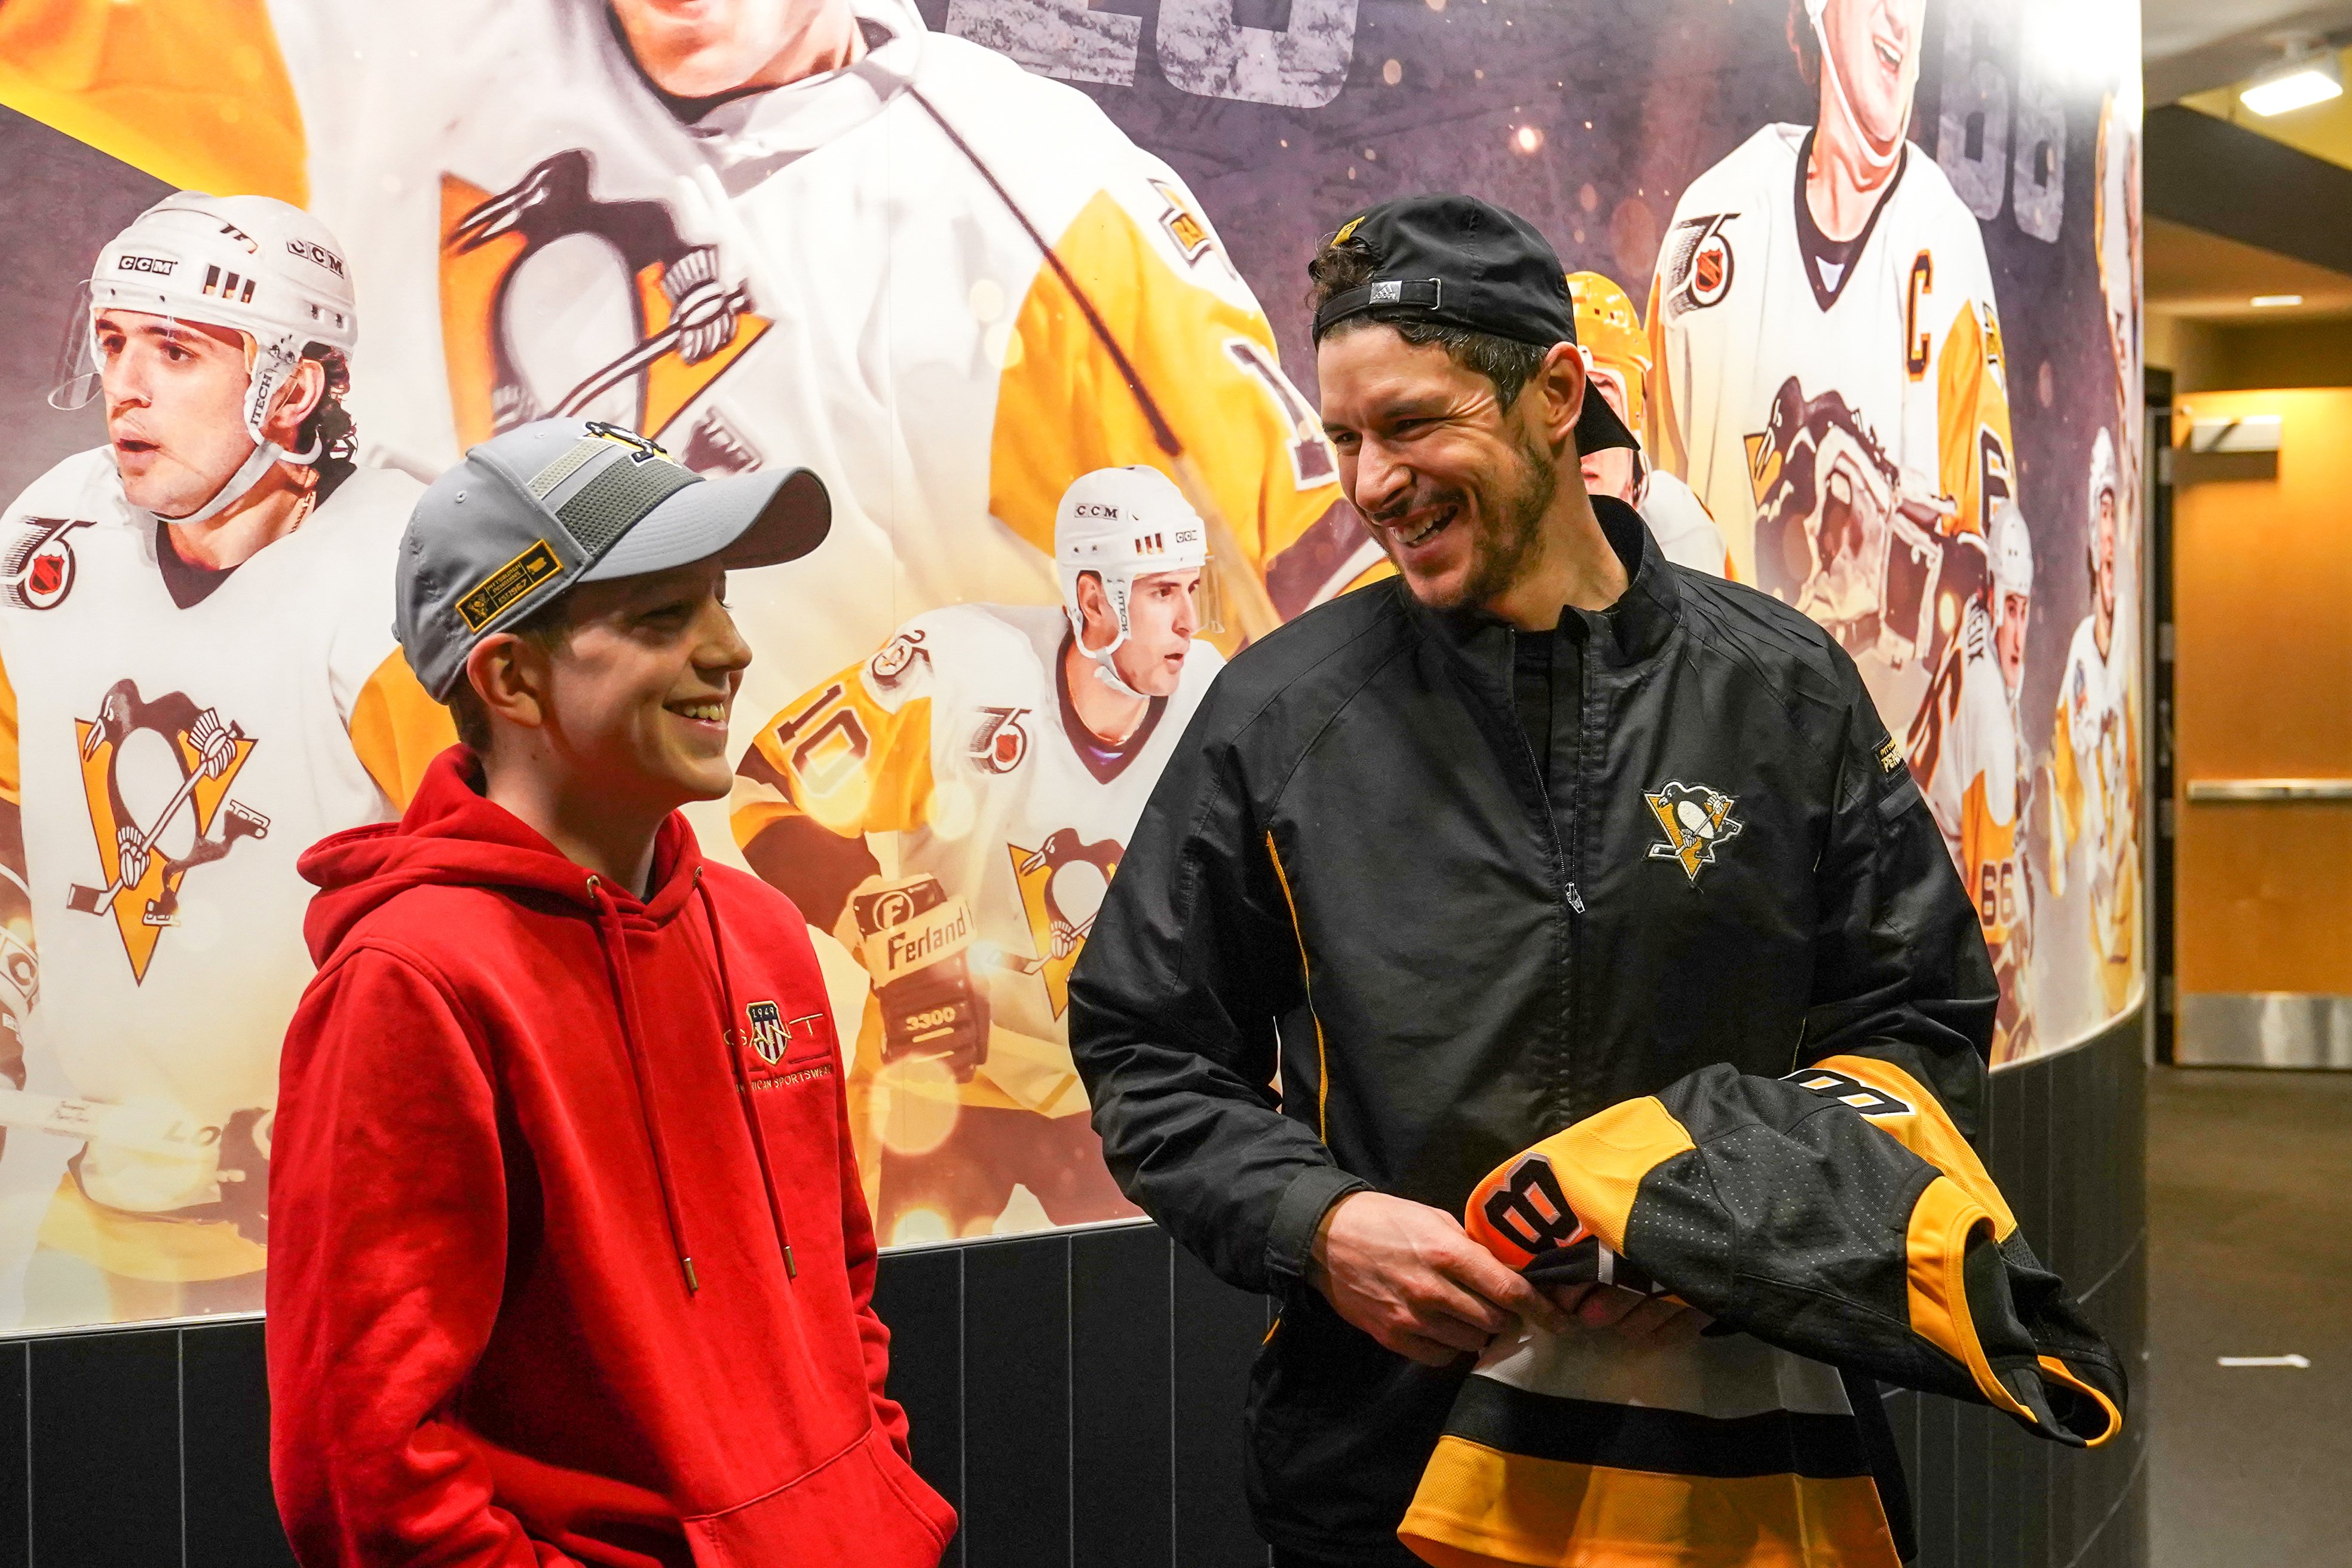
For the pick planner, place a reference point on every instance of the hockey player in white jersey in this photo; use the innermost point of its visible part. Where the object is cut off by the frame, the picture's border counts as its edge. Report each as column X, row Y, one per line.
column 199, row 679
column 1830, row 371
column 809, row 232
column 2094, row 743
column 1618, row 358
column 1004, row 754
column 1967, row 749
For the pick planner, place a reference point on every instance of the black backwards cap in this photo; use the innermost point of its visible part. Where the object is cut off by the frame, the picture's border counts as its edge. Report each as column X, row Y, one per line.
column 1456, row 261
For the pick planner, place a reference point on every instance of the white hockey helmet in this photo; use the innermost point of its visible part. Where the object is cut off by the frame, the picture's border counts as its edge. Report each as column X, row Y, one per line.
column 2103, row 475
column 263, row 268
column 2011, row 548
column 1121, row 524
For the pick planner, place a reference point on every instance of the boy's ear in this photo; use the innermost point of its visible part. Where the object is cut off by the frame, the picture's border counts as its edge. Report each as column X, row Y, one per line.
column 510, row 674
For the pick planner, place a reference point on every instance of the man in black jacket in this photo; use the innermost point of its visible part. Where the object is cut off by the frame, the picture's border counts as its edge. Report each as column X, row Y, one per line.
column 1460, row 859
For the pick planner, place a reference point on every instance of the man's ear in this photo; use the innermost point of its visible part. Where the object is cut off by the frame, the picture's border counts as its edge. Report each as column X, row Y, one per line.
column 509, row 675
column 1560, row 385
column 1094, row 606
column 296, row 400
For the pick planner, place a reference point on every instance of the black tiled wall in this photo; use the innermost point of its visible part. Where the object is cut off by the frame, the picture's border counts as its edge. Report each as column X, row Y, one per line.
column 1078, row 1395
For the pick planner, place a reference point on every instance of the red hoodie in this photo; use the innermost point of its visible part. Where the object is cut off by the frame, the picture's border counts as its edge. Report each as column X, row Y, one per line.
column 568, row 1261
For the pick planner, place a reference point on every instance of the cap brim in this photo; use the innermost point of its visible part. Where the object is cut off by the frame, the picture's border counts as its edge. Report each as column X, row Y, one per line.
column 746, row 521
column 1597, row 429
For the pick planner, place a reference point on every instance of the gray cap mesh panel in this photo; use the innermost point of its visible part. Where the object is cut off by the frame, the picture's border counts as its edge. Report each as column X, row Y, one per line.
column 564, row 467
column 614, row 501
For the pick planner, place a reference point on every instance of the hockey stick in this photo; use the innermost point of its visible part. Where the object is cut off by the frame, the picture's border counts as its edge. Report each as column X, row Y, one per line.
column 1252, row 605
column 147, row 1130
column 98, row 901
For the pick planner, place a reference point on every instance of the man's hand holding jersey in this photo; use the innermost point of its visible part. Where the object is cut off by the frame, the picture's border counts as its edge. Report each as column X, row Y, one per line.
column 1410, row 1276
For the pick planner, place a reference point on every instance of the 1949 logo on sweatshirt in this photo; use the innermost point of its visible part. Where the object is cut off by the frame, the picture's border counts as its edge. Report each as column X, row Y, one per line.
column 772, row 1036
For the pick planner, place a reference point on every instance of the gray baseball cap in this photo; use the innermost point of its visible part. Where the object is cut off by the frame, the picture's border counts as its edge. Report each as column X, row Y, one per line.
column 527, row 514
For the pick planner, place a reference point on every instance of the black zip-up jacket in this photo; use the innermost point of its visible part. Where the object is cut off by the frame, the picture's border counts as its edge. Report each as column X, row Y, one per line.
column 1357, row 880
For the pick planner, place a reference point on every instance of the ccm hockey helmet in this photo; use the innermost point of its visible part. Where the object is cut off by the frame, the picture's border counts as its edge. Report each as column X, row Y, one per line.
column 1121, row 524
column 260, row 267
column 2011, row 550
column 1609, row 331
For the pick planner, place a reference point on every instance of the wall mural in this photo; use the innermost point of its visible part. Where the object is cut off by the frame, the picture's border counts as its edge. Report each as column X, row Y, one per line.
column 1865, row 274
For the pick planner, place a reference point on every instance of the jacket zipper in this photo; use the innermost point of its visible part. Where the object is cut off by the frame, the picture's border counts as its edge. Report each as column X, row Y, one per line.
column 1568, row 891
column 1573, row 863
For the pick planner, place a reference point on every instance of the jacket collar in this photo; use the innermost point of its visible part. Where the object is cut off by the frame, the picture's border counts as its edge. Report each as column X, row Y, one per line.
column 1626, row 633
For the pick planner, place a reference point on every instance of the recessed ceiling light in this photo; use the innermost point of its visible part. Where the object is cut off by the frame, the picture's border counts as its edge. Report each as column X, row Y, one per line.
column 2266, row 302
column 2308, row 75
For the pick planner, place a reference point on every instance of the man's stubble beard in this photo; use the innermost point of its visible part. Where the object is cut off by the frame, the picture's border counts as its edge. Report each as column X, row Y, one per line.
column 1518, row 534
column 1501, row 553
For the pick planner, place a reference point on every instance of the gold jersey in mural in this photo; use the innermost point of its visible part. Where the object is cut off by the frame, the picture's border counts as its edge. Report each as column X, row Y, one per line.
column 175, row 738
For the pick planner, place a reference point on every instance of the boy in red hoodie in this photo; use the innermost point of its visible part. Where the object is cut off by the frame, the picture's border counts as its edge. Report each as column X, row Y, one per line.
column 569, row 1262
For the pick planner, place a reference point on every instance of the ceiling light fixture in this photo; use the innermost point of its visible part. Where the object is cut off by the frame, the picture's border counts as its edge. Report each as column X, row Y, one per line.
column 2270, row 301
column 2308, row 75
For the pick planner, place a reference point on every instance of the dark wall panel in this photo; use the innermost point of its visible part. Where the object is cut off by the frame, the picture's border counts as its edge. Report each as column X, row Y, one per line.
column 1016, row 1404
column 105, row 1436
column 920, row 1296
column 224, row 1444
column 1122, row 1400
column 16, row 1457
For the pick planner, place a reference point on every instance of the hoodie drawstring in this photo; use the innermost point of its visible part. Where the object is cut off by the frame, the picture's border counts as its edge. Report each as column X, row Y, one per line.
column 743, row 1083
column 613, row 939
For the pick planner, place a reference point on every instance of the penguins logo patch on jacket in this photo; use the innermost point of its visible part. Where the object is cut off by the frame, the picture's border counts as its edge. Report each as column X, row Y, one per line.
column 1695, row 819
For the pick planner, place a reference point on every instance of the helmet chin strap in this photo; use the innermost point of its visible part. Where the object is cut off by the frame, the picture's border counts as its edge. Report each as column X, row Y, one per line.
column 240, row 484
column 267, row 454
column 1107, row 673
column 1870, row 152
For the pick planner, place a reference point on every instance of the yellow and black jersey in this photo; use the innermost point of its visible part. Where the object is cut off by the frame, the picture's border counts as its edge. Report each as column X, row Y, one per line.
column 1838, row 1227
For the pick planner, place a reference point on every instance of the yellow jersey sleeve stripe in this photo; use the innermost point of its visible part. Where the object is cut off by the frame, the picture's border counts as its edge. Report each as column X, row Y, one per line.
column 1307, row 985
column 1924, row 1130
column 12, row 782
column 1599, row 1163
column 397, row 729
column 1936, row 1246
column 195, row 92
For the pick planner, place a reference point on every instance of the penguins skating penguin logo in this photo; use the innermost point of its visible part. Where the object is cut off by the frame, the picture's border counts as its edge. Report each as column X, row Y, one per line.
column 650, row 322
column 157, row 776
column 1062, row 884
column 1696, row 821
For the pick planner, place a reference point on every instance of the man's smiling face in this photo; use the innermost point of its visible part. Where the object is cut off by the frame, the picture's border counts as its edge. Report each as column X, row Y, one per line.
column 1454, row 485
column 1874, row 46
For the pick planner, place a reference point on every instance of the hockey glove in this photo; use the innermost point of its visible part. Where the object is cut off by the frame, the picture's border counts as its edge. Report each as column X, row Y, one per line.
column 914, row 940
